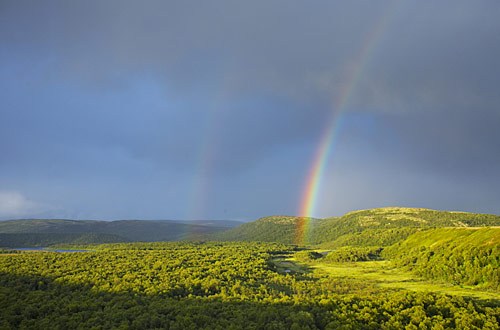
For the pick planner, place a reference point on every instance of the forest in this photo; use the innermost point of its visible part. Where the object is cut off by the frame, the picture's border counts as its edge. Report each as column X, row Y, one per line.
column 412, row 275
column 211, row 286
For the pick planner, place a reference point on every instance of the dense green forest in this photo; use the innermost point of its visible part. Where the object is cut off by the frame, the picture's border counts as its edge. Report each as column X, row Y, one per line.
column 211, row 286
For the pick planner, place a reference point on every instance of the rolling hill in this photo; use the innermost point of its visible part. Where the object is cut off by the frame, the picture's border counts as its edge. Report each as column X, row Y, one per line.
column 465, row 256
column 44, row 232
column 280, row 229
column 380, row 227
column 374, row 227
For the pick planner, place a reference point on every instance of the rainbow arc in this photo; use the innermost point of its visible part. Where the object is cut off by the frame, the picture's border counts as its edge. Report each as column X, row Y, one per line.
column 329, row 137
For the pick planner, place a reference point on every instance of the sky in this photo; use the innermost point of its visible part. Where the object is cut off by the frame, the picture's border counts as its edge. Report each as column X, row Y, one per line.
column 218, row 109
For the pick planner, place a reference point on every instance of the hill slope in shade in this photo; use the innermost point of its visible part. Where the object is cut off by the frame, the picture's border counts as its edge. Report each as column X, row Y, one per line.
column 381, row 226
column 280, row 229
column 43, row 232
column 15, row 240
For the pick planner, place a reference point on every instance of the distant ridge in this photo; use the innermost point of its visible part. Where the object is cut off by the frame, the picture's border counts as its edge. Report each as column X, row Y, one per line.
column 372, row 227
column 379, row 226
column 44, row 232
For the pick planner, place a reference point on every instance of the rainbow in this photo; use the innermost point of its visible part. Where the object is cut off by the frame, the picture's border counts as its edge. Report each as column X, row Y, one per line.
column 206, row 159
column 329, row 136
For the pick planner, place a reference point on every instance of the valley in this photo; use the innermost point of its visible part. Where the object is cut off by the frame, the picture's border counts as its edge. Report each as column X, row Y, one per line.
column 391, row 268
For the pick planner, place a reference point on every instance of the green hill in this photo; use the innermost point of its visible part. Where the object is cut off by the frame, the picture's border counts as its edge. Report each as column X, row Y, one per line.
column 280, row 229
column 367, row 225
column 466, row 256
column 44, row 232
column 375, row 227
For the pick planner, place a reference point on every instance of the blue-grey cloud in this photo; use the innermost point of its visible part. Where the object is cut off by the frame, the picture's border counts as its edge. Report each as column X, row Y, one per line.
column 200, row 97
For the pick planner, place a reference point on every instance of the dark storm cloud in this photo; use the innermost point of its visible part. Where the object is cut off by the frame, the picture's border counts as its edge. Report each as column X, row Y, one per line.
column 170, row 87
column 227, row 62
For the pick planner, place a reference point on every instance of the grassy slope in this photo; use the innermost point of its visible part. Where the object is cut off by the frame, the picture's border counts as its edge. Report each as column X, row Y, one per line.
column 465, row 256
column 376, row 222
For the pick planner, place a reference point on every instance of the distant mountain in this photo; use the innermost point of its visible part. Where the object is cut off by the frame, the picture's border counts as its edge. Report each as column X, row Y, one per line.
column 215, row 223
column 43, row 232
column 375, row 227
column 14, row 240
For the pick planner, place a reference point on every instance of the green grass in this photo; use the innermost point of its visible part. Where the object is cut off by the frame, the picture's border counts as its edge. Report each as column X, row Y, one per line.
column 383, row 274
column 283, row 265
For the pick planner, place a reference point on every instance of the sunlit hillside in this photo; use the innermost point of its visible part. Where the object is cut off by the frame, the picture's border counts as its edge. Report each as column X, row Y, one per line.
column 382, row 226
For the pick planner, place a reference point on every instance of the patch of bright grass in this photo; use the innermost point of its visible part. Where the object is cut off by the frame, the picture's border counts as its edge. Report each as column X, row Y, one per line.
column 384, row 275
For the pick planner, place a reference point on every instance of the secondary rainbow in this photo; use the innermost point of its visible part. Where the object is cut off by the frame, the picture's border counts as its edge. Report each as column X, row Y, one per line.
column 328, row 138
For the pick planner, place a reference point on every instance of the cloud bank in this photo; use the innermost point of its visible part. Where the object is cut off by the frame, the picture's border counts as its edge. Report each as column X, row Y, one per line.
column 190, row 109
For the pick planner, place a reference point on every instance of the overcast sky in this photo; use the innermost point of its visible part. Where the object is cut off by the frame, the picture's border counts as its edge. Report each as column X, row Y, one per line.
column 215, row 109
